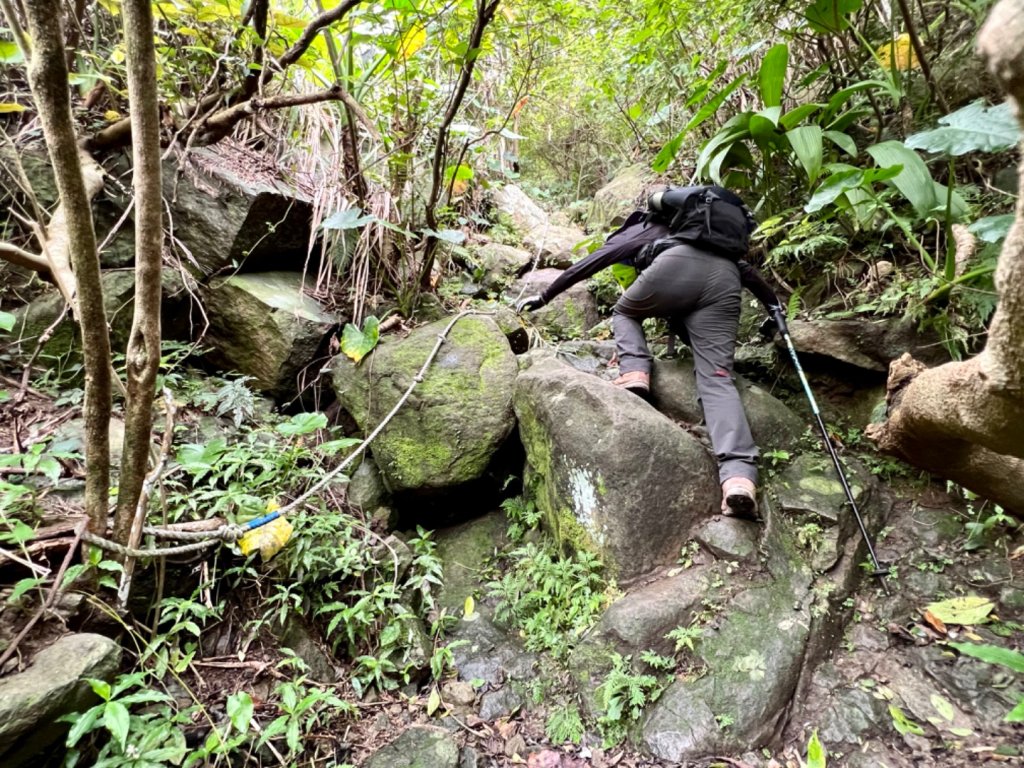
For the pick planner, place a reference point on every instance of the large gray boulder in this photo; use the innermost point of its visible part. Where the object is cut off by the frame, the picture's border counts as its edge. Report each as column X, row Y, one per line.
column 230, row 211
column 569, row 315
column 500, row 264
column 674, row 392
column 35, row 318
column 553, row 245
column 517, row 206
column 620, row 196
column 456, row 418
column 55, row 684
column 264, row 326
column 611, row 474
column 865, row 344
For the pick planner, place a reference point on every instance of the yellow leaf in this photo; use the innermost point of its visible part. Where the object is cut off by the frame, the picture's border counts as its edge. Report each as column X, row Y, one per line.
column 272, row 506
column 411, row 42
column 10, row 106
column 459, row 187
column 433, row 702
column 899, row 54
column 965, row 611
column 469, row 607
column 269, row 539
column 111, row 115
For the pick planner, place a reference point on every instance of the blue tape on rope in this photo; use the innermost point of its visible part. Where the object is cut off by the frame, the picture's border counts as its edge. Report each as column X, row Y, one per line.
column 260, row 521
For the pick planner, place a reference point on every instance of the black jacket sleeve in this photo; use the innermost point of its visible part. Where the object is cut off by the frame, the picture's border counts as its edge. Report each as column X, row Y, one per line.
column 621, row 246
column 752, row 280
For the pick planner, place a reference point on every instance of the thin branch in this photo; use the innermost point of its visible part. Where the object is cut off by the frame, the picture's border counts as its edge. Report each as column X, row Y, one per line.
column 220, row 123
column 922, row 59
column 308, row 35
column 23, row 258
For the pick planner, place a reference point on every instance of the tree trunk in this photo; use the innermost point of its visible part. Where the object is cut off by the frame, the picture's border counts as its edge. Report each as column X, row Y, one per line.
column 143, row 353
column 963, row 420
column 48, row 78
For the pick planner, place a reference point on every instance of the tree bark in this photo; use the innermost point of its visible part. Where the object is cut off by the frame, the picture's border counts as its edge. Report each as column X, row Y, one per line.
column 143, row 353
column 963, row 420
column 48, row 79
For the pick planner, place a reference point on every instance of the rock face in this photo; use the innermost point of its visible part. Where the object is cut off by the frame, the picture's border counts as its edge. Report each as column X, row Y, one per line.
column 418, row 747
column 54, row 685
column 553, row 245
column 33, row 319
column 864, row 344
column 224, row 216
column 456, row 418
column 569, row 315
column 611, row 474
column 772, row 423
column 500, row 264
column 524, row 214
column 620, row 196
column 264, row 326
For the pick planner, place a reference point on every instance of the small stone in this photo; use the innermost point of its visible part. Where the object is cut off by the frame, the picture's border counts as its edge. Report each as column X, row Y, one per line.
column 515, row 746
column 501, row 703
column 458, row 692
column 729, row 538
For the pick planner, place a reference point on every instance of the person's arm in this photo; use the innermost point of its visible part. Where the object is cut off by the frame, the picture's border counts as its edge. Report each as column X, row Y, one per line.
column 752, row 280
column 621, row 246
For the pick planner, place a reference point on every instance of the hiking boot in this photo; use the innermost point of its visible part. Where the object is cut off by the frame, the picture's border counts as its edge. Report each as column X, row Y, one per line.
column 739, row 498
column 637, row 382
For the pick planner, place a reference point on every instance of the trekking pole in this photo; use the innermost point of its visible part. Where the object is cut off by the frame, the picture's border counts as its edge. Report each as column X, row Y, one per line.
column 780, row 322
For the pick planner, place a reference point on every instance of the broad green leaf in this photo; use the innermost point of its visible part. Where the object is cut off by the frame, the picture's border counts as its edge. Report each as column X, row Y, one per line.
column 715, row 102
column 772, row 76
column 453, row 236
column 433, row 701
column 943, row 707
column 993, row 654
column 794, row 117
column 240, row 710
column 763, row 125
column 967, row 610
column 349, row 218
column 117, row 720
column 461, row 172
column 1015, row 715
column 992, row 229
column 829, row 16
column 842, row 140
column 83, row 724
column 974, row 128
column 668, row 153
column 302, row 424
column 833, row 187
column 22, row 586
column 10, row 53
column 902, row 723
column 808, row 146
column 816, row 754
column 927, row 196
column 358, row 343
column 7, row 321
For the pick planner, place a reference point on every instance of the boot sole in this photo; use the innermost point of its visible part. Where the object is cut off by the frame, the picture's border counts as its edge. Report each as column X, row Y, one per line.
column 740, row 505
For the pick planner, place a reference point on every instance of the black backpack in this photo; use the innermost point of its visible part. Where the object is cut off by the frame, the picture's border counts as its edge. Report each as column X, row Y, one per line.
column 708, row 217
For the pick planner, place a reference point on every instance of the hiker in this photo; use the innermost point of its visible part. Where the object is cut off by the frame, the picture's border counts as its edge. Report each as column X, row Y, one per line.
column 687, row 250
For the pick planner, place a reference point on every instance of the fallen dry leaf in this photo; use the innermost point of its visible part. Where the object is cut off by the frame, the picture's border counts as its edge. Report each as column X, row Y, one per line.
column 935, row 622
column 545, row 759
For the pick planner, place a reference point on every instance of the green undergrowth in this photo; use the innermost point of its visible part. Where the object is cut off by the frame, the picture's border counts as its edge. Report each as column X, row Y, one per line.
column 368, row 596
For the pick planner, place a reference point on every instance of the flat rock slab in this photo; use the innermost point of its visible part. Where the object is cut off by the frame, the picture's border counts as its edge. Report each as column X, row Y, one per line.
column 54, row 685
column 729, row 538
column 462, row 550
column 418, row 747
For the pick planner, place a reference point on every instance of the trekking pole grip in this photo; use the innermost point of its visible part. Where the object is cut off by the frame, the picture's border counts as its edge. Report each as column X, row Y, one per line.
column 780, row 319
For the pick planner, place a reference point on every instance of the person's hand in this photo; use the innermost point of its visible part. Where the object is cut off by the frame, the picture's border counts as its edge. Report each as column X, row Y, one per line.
column 778, row 316
column 528, row 303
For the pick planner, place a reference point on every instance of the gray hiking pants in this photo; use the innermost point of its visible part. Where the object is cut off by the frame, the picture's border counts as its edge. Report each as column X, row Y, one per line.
column 699, row 294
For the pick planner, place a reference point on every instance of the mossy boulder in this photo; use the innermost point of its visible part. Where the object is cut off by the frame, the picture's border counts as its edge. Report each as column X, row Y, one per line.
column 612, row 475
column 418, row 747
column 33, row 319
column 264, row 326
column 455, row 419
column 463, row 549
